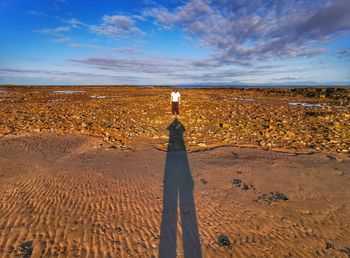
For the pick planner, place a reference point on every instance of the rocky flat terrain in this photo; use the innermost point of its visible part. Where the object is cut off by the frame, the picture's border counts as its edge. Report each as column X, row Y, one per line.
column 285, row 120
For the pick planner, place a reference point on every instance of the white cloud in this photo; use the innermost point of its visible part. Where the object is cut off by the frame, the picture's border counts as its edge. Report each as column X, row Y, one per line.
column 62, row 40
column 36, row 13
column 115, row 25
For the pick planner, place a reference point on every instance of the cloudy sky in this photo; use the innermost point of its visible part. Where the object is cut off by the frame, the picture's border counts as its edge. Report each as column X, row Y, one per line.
column 175, row 42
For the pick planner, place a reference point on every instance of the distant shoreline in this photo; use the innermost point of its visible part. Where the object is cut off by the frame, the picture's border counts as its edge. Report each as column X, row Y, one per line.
column 192, row 86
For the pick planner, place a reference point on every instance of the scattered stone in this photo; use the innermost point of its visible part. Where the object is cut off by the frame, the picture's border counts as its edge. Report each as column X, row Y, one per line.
column 272, row 197
column 234, row 154
column 25, row 249
column 144, row 114
column 224, row 125
column 329, row 245
column 117, row 229
column 245, row 187
column 236, row 182
column 223, row 240
column 345, row 250
column 204, row 181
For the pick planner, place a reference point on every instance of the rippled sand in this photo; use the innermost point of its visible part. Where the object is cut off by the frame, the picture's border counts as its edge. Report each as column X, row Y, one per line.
column 69, row 196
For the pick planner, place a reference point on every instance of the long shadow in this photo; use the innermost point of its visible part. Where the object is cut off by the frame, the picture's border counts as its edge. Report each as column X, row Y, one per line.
column 178, row 188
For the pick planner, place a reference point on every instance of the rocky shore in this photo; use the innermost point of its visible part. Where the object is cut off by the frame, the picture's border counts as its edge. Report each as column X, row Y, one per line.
column 285, row 120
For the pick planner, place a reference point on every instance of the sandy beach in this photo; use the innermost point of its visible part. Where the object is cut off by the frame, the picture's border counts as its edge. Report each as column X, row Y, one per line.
column 110, row 173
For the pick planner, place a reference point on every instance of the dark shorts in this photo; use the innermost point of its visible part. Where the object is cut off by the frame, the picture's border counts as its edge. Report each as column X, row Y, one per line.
column 175, row 108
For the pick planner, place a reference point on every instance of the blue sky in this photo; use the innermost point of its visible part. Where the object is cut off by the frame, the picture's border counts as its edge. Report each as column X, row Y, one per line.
column 175, row 42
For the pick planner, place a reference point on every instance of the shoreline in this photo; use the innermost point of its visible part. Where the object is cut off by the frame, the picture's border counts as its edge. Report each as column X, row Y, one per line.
column 195, row 86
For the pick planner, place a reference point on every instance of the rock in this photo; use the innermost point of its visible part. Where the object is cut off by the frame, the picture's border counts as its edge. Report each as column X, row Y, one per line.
column 329, row 245
column 25, row 249
column 245, row 187
column 272, row 197
column 227, row 121
column 345, row 250
column 236, row 182
column 223, row 240
column 224, row 125
column 204, row 181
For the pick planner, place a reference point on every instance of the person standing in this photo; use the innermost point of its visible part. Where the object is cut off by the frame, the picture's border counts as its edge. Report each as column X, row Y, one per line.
column 175, row 102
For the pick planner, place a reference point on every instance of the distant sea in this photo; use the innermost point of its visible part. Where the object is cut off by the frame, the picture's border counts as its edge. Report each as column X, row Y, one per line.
column 206, row 86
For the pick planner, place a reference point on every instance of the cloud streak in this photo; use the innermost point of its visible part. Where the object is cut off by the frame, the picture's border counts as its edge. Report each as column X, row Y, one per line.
column 111, row 25
column 53, row 31
column 151, row 65
column 40, row 73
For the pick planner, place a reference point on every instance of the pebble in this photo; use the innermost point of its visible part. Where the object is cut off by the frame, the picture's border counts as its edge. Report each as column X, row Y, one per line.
column 236, row 182
column 268, row 122
column 272, row 197
column 223, row 240
column 25, row 249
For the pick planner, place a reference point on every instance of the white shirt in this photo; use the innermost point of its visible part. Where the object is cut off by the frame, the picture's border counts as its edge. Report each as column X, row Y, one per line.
column 175, row 96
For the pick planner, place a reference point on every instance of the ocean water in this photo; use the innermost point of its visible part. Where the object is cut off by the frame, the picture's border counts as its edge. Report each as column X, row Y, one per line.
column 304, row 104
column 68, row 91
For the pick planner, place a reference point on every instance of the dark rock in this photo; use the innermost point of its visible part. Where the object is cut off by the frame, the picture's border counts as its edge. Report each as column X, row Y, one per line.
column 25, row 249
column 345, row 250
column 245, row 187
column 204, row 182
column 234, row 154
column 236, row 182
column 223, row 240
column 313, row 113
column 118, row 229
column 272, row 197
column 329, row 245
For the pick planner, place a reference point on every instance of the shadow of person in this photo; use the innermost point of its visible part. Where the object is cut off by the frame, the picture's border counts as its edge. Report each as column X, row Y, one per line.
column 178, row 188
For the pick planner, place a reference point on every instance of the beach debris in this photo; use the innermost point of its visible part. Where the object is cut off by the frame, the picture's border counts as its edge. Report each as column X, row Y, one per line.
column 345, row 250
column 272, row 197
column 236, row 182
column 223, row 240
column 25, row 249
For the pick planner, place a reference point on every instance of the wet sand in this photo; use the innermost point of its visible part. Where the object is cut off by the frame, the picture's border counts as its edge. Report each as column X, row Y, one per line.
column 71, row 196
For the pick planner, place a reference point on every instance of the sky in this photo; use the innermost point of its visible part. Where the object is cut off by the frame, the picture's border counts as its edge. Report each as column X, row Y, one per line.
column 175, row 42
